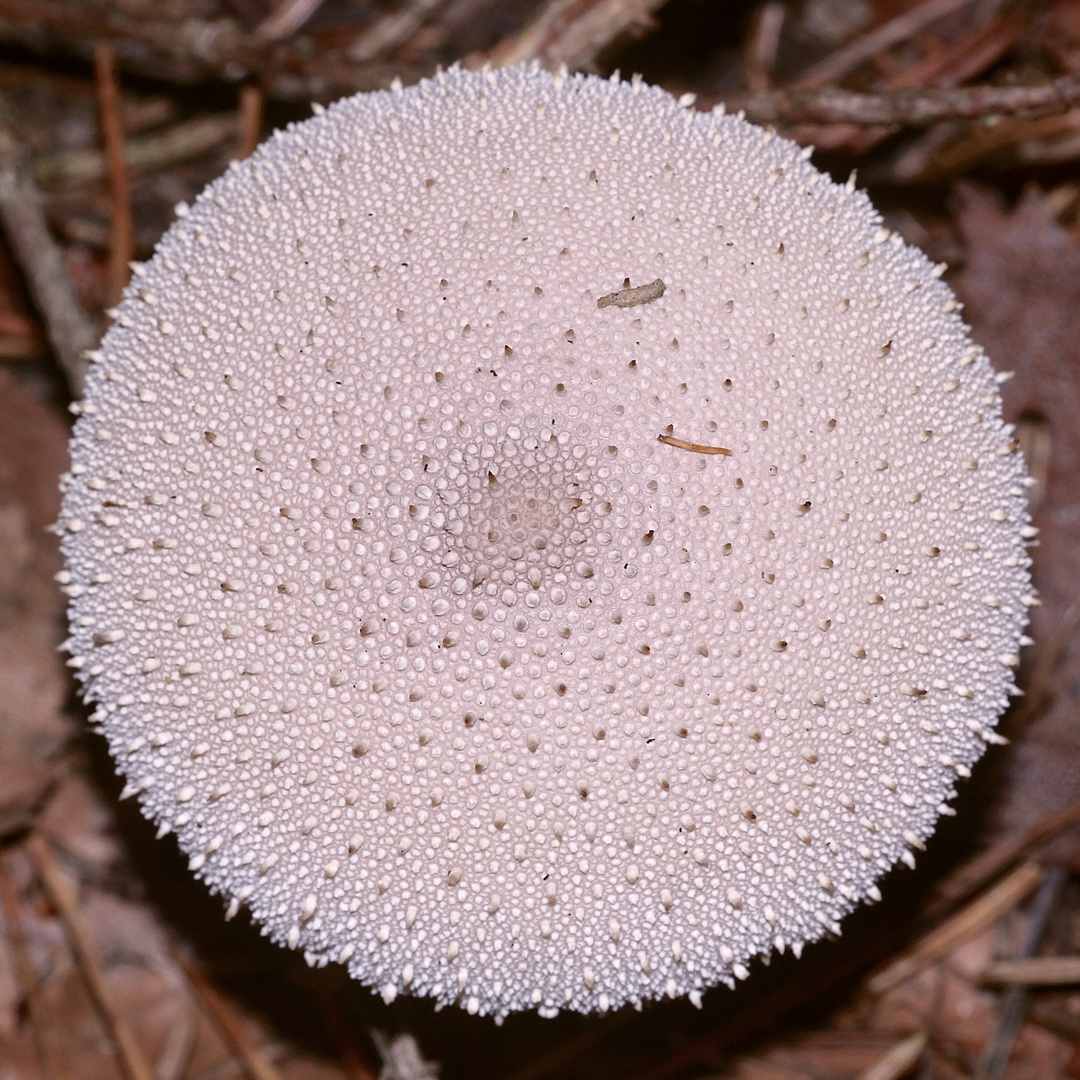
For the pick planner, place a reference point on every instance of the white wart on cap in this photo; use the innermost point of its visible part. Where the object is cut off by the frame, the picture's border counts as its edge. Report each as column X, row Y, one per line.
column 399, row 612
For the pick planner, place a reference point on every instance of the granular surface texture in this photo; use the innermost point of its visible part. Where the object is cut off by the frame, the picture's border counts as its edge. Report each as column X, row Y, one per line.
column 417, row 595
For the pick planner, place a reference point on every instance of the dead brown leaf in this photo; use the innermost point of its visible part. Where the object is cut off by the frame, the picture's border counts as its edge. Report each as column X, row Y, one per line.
column 33, row 685
column 1021, row 288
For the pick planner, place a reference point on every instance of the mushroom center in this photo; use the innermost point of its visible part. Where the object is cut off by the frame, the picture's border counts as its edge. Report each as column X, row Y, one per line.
column 525, row 519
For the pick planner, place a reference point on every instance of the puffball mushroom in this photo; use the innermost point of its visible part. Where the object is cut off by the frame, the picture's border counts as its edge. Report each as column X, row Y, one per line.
column 540, row 545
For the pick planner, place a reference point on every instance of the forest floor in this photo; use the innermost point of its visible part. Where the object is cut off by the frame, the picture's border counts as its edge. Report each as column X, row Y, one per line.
column 962, row 118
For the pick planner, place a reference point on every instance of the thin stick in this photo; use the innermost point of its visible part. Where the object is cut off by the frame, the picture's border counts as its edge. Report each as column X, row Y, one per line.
column 63, row 897
column 187, row 47
column 897, row 1060
column 572, row 32
column 845, row 60
column 970, row 56
column 286, row 19
column 1035, row 971
column 254, row 1060
column 121, row 226
column 1015, row 134
column 176, row 1054
column 759, row 55
column 250, row 123
column 697, row 448
column 908, row 106
column 982, row 912
column 986, row 866
column 391, row 30
column 947, row 67
column 1017, row 1000
column 41, row 1024
column 70, row 331
column 174, row 144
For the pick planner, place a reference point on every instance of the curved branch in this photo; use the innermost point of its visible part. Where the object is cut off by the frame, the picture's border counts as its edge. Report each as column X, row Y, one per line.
column 907, row 107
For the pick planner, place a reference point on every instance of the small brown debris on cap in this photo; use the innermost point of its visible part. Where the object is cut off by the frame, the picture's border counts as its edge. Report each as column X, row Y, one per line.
column 697, row 448
column 639, row 294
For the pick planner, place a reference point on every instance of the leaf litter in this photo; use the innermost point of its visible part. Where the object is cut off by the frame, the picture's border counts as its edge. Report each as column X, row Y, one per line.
column 160, row 937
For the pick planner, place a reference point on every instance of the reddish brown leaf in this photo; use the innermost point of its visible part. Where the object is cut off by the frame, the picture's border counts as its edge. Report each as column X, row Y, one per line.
column 32, row 454
column 1021, row 287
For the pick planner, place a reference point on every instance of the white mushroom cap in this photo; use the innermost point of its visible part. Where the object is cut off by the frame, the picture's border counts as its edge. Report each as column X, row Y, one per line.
column 397, row 611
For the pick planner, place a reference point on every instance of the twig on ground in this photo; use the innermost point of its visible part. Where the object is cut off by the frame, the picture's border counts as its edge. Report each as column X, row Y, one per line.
column 170, row 42
column 175, row 1056
column 897, row 1060
column 389, row 31
column 121, row 224
column 1031, row 139
column 250, row 121
column 1017, row 1000
column 995, row 860
column 41, row 1023
column 70, row 331
column 846, row 59
column 65, row 900
column 944, row 67
column 286, row 19
column 968, row 57
column 935, row 1017
column 759, row 55
column 980, row 913
column 907, row 106
column 181, row 142
column 254, row 1060
column 572, row 32
column 1036, row 971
